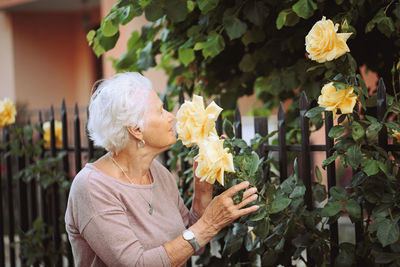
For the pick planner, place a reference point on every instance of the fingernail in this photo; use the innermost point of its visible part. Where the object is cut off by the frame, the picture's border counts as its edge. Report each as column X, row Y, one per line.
column 253, row 189
column 247, row 183
column 256, row 207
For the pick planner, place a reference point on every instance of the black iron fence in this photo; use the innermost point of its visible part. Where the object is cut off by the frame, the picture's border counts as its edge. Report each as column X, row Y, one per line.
column 22, row 202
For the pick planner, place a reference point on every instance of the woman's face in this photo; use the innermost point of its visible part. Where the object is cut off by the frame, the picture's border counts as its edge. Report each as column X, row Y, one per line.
column 158, row 131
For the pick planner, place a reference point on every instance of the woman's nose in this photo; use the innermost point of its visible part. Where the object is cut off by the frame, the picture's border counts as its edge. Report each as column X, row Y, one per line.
column 171, row 116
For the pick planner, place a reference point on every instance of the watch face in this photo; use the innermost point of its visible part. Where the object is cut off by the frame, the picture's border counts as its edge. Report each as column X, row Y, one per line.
column 188, row 235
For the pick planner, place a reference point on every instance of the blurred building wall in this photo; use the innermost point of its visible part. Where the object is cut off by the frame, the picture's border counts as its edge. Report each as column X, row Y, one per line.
column 7, row 84
column 52, row 59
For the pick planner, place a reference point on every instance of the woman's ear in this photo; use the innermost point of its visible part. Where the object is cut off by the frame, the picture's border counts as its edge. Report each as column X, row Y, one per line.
column 136, row 132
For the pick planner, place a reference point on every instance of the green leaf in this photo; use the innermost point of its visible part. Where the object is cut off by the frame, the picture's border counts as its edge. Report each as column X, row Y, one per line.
column 280, row 20
column 234, row 27
column 247, row 64
column 298, row 191
column 269, row 258
column 279, row 205
column 371, row 167
column 232, row 243
column 357, row 179
column 144, row 3
column 256, row 12
column 314, row 112
column 255, row 35
column 357, row 131
column 286, row 18
column 388, row 232
column 338, row 193
column 319, row 192
column 354, row 156
column 331, row 209
column 330, row 159
column 228, row 128
column 373, row 131
column 186, row 55
column 154, row 10
column 190, row 5
column 108, row 26
column 261, row 229
column 176, row 10
column 146, row 60
column 259, row 216
column 340, row 86
column 336, row 131
column 252, row 164
column 214, row 45
column 107, row 43
column 90, row 36
column 304, row 8
column 318, row 174
column 353, row 208
column 207, row 5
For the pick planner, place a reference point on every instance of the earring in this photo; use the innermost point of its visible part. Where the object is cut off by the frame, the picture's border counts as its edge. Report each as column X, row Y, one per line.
column 141, row 143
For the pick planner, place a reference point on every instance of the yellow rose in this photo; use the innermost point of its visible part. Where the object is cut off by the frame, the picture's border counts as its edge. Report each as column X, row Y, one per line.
column 324, row 44
column 194, row 123
column 396, row 135
column 213, row 160
column 7, row 112
column 58, row 132
column 332, row 99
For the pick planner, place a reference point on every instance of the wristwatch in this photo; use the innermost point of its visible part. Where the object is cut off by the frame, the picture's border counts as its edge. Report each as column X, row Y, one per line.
column 189, row 236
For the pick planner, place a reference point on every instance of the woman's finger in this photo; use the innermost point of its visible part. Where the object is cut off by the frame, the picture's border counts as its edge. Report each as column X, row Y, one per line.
column 236, row 188
column 247, row 201
column 249, row 192
column 246, row 211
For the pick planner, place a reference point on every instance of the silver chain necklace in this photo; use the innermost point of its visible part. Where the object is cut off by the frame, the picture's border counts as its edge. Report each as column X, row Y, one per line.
column 151, row 210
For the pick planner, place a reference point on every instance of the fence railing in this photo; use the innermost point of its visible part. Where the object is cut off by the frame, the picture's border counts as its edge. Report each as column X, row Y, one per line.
column 22, row 202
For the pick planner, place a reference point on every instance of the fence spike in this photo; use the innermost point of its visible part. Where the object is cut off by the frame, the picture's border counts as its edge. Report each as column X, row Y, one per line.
column 77, row 135
column 381, row 110
column 303, row 101
column 181, row 97
column 282, row 143
column 165, row 101
column 219, row 120
column 238, row 123
column 281, row 112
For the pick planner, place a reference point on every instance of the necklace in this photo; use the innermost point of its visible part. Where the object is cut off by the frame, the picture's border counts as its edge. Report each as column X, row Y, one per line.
column 150, row 211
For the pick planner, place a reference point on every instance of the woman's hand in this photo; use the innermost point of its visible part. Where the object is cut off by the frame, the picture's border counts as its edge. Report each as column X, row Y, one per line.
column 222, row 210
column 202, row 193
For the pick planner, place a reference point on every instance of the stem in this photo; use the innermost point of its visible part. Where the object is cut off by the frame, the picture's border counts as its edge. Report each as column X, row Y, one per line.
column 390, row 213
column 386, row 8
column 258, row 192
column 394, row 82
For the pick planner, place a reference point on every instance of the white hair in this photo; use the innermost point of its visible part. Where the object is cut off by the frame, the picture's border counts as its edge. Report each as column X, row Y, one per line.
column 117, row 103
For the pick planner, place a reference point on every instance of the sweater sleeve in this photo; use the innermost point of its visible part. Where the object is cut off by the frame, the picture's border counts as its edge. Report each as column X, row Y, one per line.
column 113, row 240
column 189, row 217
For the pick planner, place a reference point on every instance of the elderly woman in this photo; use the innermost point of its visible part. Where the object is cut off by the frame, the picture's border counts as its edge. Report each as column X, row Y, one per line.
column 125, row 208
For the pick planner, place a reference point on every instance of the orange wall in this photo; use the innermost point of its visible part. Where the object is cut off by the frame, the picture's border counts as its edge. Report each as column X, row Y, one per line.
column 51, row 59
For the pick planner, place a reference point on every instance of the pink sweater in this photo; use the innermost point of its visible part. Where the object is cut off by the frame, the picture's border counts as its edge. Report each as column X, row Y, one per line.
column 108, row 223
